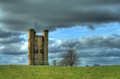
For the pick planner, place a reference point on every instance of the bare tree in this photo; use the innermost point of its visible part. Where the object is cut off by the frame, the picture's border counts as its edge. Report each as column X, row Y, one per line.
column 54, row 62
column 70, row 58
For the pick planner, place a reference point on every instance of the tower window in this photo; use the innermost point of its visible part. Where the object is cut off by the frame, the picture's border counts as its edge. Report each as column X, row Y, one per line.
column 41, row 50
column 35, row 49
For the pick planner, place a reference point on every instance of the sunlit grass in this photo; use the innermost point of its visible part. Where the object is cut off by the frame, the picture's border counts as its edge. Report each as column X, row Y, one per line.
column 56, row 72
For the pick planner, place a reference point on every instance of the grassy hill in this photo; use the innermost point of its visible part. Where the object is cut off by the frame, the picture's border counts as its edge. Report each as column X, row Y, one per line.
column 51, row 72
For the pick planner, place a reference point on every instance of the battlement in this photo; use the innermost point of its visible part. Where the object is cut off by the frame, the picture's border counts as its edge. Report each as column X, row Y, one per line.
column 31, row 29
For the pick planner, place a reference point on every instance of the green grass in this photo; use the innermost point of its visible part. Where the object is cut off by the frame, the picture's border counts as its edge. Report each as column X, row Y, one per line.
column 51, row 72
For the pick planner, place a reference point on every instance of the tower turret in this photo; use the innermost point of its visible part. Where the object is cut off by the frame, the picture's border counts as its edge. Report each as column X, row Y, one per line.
column 45, row 35
column 31, row 36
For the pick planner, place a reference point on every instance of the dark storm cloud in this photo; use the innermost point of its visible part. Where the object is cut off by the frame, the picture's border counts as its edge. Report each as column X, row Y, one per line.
column 7, row 37
column 14, row 39
column 12, row 49
column 7, row 34
column 11, row 42
column 103, row 41
column 52, row 14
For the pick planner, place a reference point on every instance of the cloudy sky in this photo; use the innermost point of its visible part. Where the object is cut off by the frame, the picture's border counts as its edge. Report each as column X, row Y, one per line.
column 92, row 27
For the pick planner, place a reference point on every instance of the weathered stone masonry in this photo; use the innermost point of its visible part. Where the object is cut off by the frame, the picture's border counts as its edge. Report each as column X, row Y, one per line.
column 37, row 48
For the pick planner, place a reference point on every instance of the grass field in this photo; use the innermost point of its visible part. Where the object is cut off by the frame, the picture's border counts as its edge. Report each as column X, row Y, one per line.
column 51, row 72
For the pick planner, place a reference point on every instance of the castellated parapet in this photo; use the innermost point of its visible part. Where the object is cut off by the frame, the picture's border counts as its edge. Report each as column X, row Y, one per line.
column 37, row 48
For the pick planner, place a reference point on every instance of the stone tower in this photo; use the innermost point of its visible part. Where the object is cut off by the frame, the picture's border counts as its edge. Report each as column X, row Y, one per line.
column 37, row 48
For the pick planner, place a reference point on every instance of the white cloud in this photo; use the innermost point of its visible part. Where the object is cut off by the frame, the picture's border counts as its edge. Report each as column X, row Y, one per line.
column 24, row 46
column 90, row 49
column 2, row 47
